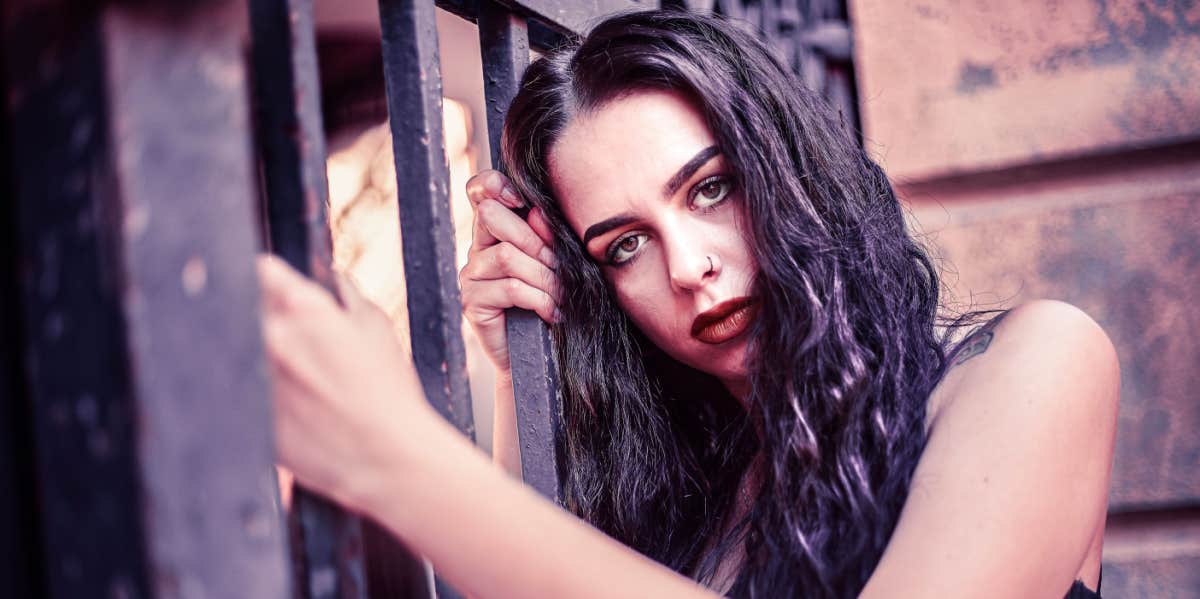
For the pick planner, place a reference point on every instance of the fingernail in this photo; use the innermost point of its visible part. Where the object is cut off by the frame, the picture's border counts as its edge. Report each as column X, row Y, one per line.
column 548, row 258
column 514, row 201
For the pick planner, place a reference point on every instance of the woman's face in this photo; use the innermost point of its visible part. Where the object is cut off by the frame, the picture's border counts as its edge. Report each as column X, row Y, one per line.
column 642, row 183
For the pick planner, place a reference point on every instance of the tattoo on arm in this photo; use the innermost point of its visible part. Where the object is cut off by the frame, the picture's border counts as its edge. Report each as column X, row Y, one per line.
column 977, row 342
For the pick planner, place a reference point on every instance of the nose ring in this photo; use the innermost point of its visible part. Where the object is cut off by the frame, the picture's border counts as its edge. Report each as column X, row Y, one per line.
column 710, row 265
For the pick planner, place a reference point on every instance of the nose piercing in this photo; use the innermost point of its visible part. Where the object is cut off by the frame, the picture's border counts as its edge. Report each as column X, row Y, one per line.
column 710, row 265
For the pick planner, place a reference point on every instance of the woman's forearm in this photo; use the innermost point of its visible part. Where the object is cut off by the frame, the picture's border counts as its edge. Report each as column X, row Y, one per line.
column 506, row 447
column 491, row 536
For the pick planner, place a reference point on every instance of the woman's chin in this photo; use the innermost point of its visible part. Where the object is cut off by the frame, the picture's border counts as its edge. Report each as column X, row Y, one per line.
column 726, row 362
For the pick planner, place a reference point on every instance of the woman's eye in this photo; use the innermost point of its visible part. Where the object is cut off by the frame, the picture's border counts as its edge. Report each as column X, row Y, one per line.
column 623, row 249
column 710, row 192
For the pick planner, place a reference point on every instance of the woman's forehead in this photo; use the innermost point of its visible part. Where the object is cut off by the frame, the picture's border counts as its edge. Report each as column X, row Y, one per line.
column 624, row 152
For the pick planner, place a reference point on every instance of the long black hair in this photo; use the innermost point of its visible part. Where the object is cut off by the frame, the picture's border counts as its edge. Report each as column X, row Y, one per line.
column 845, row 349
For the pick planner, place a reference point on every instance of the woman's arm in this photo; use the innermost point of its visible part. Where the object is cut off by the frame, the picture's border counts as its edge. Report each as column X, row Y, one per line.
column 506, row 446
column 491, row 536
column 1012, row 488
column 352, row 423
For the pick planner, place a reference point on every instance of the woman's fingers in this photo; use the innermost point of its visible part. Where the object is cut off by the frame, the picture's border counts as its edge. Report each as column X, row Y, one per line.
column 504, row 260
column 494, row 185
column 491, row 298
column 504, row 225
column 484, row 186
column 510, row 263
column 290, row 345
column 541, row 226
column 285, row 289
column 348, row 291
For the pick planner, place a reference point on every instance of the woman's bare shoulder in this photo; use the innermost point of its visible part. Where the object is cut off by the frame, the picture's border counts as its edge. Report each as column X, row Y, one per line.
column 1013, row 482
column 1033, row 339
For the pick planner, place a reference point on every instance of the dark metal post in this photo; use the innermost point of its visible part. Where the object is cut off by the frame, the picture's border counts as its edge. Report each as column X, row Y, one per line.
column 291, row 134
column 504, row 41
column 71, row 307
column 20, row 547
column 414, row 90
column 328, row 554
column 414, row 94
column 136, row 201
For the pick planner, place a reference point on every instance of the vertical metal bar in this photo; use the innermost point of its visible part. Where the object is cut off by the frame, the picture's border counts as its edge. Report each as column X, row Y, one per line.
column 142, row 342
column 19, row 546
column 74, row 352
column 414, row 94
column 291, row 135
column 184, row 178
column 504, row 41
column 20, row 549
column 414, row 90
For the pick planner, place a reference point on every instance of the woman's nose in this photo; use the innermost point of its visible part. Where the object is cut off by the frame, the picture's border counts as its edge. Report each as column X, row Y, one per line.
column 691, row 267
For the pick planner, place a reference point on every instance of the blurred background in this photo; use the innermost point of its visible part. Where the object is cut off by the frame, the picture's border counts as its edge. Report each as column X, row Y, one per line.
column 1046, row 149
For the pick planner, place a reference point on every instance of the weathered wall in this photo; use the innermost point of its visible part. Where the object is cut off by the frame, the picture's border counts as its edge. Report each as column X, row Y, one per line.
column 1052, row 149
column 963, row 86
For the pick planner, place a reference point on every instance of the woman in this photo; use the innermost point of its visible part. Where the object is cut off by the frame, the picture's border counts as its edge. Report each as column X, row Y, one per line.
column 758, row 394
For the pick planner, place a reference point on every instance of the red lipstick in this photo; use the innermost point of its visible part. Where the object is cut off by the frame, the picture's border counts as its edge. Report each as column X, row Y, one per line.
column 724, row 321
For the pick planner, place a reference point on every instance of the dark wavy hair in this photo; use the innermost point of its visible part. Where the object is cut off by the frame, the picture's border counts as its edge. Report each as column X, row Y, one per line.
column 845, row 349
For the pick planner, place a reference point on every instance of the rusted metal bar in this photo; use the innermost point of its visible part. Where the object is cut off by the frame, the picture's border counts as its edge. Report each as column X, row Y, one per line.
column 291, row 134
column 413, row 82
column 505, row 45
column 71, row 307
column 576, row 16
column 329, row 549
column 179, row 128
column 550, row 21
column 142, row 345
column 414, row 89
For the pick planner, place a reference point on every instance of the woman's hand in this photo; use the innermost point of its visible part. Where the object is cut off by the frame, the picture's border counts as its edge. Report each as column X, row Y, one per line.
column 510, row 264
column 344, row 390
column 351, row 423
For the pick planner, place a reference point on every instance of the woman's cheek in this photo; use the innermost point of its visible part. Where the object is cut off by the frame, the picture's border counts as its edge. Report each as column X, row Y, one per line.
column 655, row 316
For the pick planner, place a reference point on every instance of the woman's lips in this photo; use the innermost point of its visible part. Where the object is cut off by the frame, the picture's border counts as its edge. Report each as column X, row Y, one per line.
column 724, row 321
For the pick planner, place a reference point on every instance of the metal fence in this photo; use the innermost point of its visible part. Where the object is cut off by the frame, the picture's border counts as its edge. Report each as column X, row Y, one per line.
column 134, row 457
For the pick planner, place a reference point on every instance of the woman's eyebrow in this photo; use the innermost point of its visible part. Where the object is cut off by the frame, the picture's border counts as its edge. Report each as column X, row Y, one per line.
column 682, row 175
column 606, row 225
column 689, row 169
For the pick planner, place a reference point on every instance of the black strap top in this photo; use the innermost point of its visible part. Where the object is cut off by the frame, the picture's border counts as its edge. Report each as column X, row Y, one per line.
column 1079, row 591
